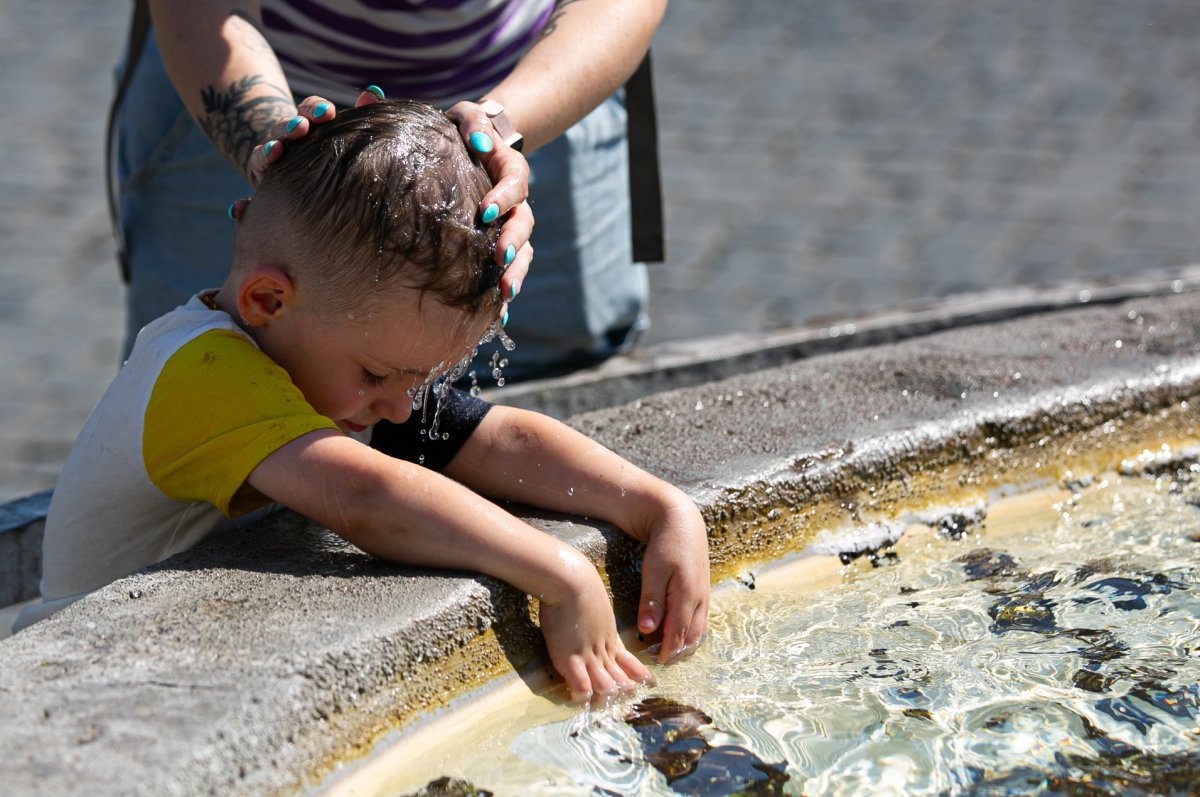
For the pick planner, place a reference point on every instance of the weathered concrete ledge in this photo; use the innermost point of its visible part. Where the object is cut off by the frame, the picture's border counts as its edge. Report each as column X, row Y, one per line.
column 672, row 365
column 254, row 663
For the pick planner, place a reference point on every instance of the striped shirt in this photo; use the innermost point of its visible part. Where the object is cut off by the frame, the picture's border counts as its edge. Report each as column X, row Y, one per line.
column 437, row 51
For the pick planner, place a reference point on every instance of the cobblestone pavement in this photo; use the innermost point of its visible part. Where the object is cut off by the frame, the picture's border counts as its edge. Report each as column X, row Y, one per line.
column 821, row 159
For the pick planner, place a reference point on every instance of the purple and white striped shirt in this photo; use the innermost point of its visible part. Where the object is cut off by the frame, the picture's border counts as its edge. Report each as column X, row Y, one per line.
column 438, row 51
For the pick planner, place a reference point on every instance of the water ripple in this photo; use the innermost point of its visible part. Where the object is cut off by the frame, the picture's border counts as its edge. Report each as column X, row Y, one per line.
column 968, row 666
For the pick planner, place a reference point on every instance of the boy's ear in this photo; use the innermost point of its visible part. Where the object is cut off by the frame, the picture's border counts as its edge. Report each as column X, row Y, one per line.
column 264, row 294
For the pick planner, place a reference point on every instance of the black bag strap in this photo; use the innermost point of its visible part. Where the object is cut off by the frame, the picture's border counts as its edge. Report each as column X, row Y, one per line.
column 645, row 181
column 139, row 29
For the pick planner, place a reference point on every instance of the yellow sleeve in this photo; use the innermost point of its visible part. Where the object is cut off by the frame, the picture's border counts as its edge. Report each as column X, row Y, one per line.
column 219, row 407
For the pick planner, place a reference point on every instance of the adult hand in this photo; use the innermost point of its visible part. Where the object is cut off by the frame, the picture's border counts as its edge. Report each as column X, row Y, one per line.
column 507, row 167
column 510, row 189
column 312, row 110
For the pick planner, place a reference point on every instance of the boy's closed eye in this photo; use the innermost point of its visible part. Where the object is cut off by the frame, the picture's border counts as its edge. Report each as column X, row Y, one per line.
column 373, row 379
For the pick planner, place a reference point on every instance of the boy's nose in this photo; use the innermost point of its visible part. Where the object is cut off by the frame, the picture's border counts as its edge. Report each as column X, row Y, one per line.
column 396, row 410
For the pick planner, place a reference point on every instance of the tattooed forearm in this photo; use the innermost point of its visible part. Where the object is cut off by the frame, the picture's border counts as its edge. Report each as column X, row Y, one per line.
column 560, row 8
column 235, row 123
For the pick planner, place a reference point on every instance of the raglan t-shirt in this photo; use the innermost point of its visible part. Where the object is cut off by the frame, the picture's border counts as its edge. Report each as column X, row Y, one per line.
column 437, row 51
column 162, row 461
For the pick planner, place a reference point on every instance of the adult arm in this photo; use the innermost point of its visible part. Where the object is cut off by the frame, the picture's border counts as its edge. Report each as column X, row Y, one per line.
column 232, row 84
column 224, row 71
column 588, row 49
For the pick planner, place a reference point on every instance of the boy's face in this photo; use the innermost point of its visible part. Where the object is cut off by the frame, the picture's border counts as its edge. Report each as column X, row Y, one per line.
column 362, row 367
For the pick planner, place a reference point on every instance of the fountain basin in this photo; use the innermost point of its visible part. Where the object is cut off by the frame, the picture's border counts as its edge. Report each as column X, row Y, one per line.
column 263, row 661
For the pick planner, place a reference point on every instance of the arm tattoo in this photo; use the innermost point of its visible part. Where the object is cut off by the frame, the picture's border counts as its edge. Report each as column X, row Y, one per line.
column 236, row 124
column 560, row 8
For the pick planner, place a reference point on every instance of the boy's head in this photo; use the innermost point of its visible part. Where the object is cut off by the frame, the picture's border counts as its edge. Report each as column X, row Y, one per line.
column 383, row 195
column 361, row 266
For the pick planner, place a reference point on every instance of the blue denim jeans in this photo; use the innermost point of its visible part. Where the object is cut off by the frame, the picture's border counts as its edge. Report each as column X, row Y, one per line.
column 583, row 300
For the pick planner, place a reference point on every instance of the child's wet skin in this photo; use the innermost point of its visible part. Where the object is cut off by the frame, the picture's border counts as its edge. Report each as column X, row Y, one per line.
column 366, row 367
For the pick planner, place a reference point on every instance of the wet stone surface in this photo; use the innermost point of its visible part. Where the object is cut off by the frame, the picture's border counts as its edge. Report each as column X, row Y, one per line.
column 673, row 742
column 450, row 787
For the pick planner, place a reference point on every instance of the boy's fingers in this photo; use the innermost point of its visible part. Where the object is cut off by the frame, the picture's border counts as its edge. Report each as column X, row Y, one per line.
column 673, row 638
column 683, row 631
column 633, row 668
column 602, row 683
column 620, row 679
column 652, row 604
column 579, row 685
column 698, row 628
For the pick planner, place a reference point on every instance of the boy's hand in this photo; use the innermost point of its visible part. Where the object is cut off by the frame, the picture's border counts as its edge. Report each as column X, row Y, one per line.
column 581, row 636
column 675, row 580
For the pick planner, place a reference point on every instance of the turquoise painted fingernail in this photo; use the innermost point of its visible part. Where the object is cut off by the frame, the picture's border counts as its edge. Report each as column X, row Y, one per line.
column 268, row 147
column 293, row 124
column 481, row 142
column 510, row 252
column 229, row 211
column 378, row 92
column 319, row 109
column 513, row 290
column 504, row 319
column 491, row 213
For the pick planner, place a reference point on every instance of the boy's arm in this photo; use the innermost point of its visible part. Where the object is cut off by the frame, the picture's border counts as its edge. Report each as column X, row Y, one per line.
column 524, row 456
column 405, row 513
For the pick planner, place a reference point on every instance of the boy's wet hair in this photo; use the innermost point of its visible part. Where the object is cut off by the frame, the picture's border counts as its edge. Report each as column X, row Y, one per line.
column 384, row 192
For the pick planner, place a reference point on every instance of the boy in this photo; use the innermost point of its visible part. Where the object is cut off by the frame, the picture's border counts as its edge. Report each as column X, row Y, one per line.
column 360, row 276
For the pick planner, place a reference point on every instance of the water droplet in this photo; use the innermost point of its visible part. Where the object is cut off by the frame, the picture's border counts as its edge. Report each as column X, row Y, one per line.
column 570, row 491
